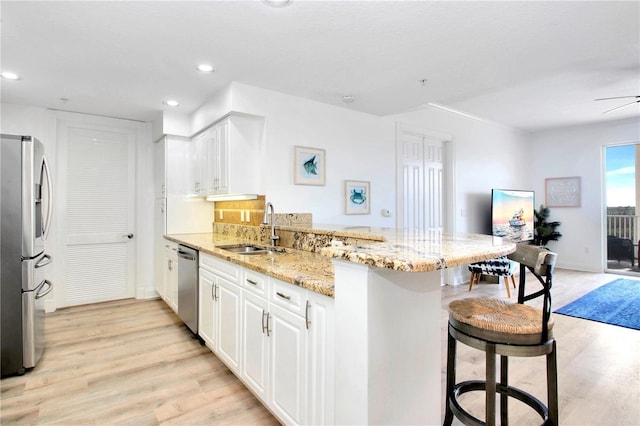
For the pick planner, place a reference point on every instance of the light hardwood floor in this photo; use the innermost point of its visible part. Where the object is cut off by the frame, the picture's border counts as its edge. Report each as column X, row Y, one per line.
column 126, row 362
column 132, row 362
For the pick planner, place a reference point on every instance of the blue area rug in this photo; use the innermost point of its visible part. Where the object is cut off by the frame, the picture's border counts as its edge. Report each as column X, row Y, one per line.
column 616, row 303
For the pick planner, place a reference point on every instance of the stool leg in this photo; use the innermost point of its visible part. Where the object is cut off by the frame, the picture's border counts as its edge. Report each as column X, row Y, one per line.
column 490, row 386
column 504, row 398
column 473, row 277
column 506, row 285
column 513, row 280
column 451, row 378
column 552, row 385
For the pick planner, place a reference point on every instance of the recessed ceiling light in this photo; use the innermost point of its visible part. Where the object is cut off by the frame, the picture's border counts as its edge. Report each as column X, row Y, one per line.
column 205, row 68
column 348, row 99
column 277, row 3
column 8, row 75
column 64, row 100
column 172, row 103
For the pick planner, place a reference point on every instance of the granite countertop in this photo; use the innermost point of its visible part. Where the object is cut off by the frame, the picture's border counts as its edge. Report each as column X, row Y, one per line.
column 397, row 249
column 305, row 269
column 414, row 251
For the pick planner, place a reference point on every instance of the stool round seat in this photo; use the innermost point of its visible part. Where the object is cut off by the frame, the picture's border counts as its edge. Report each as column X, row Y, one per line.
column 501, row 318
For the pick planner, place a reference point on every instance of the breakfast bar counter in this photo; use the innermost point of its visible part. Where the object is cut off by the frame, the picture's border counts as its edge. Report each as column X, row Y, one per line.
column 386, row 289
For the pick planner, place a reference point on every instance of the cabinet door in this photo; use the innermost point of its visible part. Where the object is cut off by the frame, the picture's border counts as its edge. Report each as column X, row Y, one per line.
column 207, row 308
column 211, row 160
column 320, row 344
column 255, row 344
column 222, row 162
column 196, row 164
column 229, row 306
column 171, row 280
column 287, row 366
column 159, row 169
column 159, row 245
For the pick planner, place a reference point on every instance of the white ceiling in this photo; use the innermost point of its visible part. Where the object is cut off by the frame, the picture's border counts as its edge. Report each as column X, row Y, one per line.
column 530, row 65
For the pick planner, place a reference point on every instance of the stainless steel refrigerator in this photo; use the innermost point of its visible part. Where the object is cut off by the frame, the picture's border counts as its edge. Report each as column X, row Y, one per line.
column 26, row 208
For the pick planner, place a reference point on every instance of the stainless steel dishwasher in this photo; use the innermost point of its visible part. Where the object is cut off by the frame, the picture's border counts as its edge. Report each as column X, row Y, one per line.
column 188, row 287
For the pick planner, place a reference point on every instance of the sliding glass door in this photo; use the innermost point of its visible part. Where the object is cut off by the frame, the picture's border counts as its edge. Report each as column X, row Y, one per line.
column 622, row 194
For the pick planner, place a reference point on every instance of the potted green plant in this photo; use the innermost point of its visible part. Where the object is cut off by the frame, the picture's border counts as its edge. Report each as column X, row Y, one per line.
column 544, row 230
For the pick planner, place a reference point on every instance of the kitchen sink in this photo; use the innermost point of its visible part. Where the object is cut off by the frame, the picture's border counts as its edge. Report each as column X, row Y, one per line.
column 248, row 249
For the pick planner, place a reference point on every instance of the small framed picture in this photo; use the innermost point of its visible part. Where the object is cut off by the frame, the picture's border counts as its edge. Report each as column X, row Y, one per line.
column 308, row 166
column 357, row 197
column 562, row 192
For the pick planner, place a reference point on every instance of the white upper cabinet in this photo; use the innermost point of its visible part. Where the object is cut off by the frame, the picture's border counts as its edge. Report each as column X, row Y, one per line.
column 159, row 167
column 229, row 153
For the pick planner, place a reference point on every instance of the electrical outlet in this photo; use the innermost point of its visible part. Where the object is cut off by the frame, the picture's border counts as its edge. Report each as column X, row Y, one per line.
column 241, row 215
column 220, row 214
column 247, row 216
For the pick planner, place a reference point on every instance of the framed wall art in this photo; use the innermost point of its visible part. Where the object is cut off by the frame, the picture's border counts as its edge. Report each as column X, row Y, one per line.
column 357, row 197
column 308, row 166
column 562, row 192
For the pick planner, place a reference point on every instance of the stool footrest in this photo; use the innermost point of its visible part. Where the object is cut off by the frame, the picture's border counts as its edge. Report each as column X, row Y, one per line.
column 480, row 385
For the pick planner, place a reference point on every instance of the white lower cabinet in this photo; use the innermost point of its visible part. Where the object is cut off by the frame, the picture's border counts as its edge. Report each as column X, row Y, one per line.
column 170, row 291
column 275, row 336
column 275, row 354
column 287, row 365
column 255, row 355
column 219, row 310
column 207, row 309
column 229, row 320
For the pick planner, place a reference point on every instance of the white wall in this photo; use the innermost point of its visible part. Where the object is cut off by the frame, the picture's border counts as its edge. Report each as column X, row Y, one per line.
column 578, row 151
column 486, row 155
column 358, row 147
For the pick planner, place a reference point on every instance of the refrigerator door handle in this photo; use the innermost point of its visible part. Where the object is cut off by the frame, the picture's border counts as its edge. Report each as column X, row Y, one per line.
column 46, row 223
column 46, row 259
column 44, row 290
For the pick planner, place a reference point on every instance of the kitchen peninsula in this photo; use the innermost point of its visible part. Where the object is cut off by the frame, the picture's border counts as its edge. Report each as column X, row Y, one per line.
column 385, row 285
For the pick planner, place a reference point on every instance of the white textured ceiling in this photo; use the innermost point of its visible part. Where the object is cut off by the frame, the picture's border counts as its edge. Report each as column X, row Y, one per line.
column 530, row 65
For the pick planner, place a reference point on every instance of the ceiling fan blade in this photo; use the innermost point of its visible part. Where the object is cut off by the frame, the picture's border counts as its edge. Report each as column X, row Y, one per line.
column 616, row 97
column 622, row 106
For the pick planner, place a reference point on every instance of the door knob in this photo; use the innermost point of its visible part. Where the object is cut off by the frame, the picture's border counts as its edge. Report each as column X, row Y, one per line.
column 129, row 236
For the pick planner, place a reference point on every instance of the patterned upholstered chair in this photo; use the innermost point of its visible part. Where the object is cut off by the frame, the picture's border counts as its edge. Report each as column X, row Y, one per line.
column 498, row 327
column 501, row 267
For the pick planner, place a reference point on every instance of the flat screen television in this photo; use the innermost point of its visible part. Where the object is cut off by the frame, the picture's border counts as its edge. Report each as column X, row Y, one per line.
column 512, row 214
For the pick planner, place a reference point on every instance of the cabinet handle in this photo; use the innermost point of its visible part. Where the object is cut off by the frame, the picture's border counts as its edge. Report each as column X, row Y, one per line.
column 284, row 296
column 216, row 292
column 169, row 265
column 306, row 315
column 213, row 295
column 268, row 318
column 252, row 282
column 265, row 327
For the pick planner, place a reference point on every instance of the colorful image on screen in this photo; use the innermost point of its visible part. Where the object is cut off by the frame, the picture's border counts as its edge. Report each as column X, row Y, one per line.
column 512, row 214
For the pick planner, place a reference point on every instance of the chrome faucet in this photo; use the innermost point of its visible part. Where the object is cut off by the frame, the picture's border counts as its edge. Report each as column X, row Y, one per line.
column 271, row 222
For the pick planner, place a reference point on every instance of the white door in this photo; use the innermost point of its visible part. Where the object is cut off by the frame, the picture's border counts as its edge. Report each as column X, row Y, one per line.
column 420, row 181
column 97, row 191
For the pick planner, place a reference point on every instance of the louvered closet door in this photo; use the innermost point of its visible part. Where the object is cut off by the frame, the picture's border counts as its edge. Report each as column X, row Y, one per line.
column 100, row 212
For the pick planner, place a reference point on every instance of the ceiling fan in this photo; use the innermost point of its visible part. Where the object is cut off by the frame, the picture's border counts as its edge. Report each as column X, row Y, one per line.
column 636, row 101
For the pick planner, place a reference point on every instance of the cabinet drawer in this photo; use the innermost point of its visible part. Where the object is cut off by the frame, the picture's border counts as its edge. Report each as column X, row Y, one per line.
column 288, row 296
column 256, row 283
column 220, row 267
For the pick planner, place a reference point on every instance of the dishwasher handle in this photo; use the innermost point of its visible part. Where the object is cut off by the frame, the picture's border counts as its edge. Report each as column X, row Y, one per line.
column 185, row 255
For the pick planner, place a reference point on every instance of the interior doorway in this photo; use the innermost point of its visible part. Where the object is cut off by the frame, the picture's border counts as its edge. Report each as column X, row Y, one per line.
column 622, row 188
column 96, row 209
column 424, row 182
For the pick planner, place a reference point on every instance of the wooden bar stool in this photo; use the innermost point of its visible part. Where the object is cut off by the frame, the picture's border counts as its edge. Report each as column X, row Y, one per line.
column 501, row 267
column 506, row 329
